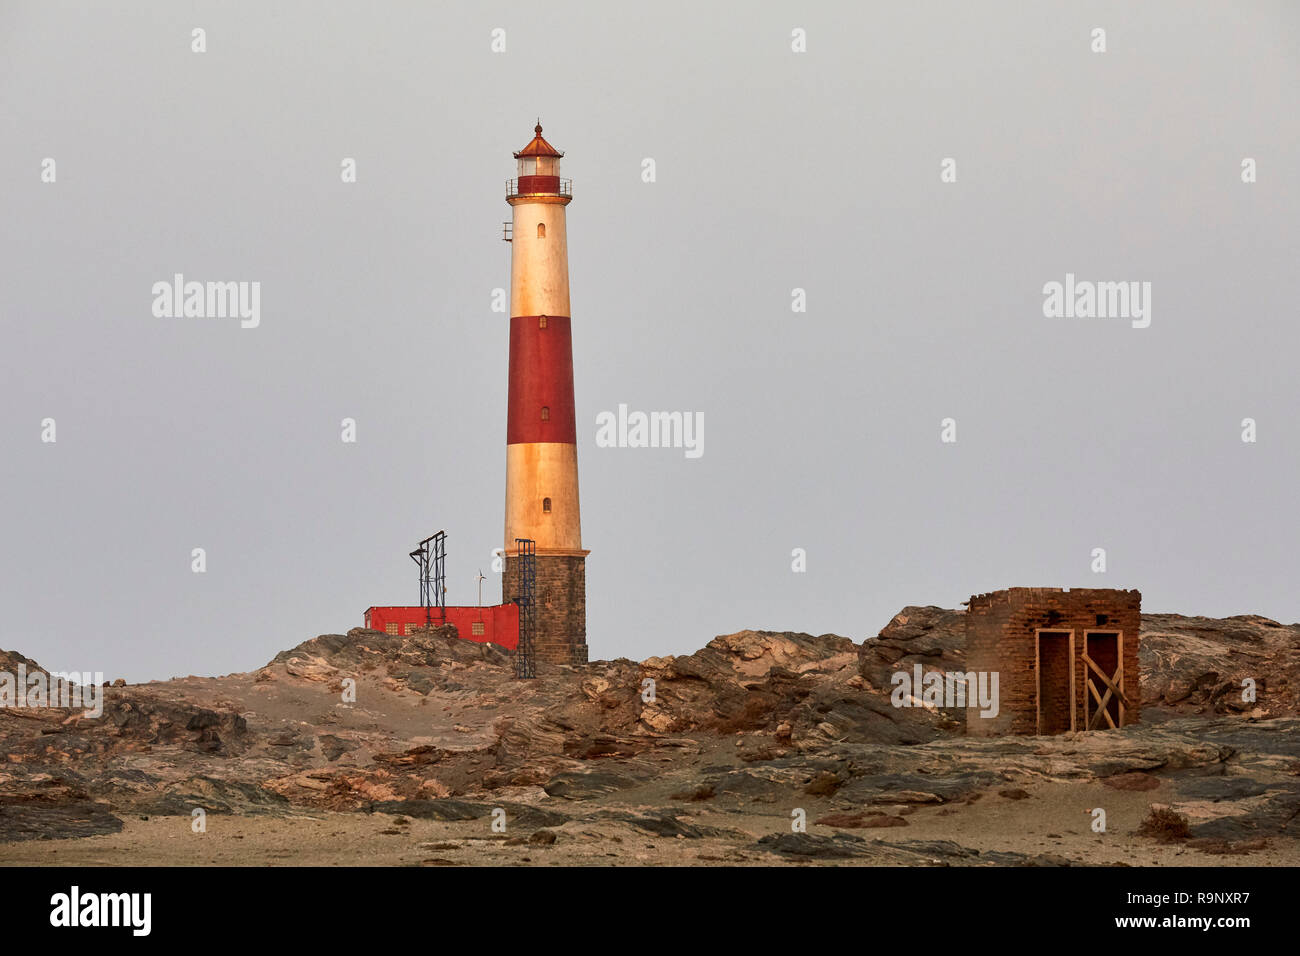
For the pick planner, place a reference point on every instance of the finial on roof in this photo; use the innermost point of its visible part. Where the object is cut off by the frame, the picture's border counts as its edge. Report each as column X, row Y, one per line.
column 538, row 146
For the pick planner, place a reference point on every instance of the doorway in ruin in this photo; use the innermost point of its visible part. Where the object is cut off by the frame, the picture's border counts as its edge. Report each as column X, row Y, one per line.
column 1103, row 662
column 1054, row 671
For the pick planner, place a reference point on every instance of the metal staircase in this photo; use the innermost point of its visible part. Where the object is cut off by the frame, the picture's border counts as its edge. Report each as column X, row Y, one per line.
column 526, row 558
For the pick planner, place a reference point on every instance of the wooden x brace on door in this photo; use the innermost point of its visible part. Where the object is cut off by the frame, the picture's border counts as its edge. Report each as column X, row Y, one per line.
column 1113, row 683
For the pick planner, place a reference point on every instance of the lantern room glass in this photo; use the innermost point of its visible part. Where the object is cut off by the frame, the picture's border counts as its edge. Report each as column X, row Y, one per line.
column 539, row 166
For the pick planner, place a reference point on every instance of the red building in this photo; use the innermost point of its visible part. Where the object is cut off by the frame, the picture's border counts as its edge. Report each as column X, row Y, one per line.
column 498, row 624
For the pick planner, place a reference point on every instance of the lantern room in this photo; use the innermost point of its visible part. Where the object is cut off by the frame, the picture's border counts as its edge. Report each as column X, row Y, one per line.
column 539, row 169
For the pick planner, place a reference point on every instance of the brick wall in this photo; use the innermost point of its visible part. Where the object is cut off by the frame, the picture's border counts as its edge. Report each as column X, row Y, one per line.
column 1000, row 629
column 560, row 593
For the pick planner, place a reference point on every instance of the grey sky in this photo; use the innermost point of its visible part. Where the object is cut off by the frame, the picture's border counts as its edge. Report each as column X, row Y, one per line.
column 775, row 170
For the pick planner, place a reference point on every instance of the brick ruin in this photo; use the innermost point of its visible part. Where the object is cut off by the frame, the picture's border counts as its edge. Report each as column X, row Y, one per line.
column 1041, row 641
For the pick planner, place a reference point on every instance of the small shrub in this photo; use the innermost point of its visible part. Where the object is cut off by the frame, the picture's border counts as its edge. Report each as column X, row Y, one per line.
column 1165, row 826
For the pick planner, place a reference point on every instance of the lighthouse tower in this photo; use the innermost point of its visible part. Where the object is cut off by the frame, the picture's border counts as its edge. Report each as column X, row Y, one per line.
column 541, row 430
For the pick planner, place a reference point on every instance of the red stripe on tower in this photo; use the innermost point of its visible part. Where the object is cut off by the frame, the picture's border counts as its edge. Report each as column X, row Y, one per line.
column 541, row 380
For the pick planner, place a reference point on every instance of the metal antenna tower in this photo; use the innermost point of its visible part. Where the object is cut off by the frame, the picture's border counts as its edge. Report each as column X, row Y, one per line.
column 526, row 554
column 431, row 556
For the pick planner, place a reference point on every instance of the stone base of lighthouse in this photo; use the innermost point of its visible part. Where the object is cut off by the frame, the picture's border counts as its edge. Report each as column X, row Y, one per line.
column 560, row 594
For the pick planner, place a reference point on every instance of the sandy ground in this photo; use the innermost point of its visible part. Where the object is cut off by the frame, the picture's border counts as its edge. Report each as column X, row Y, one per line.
column 1054, row 819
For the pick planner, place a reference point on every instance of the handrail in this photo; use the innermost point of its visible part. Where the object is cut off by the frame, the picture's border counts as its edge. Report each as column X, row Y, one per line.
column 566, row 189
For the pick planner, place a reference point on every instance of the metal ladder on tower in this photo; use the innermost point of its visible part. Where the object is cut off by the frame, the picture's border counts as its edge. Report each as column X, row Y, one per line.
column 525, row 557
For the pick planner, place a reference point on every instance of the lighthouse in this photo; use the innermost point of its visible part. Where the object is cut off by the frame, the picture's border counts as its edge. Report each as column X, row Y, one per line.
column 541, row 428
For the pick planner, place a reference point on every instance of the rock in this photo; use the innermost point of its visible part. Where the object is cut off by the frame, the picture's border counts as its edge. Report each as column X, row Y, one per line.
column 433, row 809
column 656, row 720
column 884, row 820
column 312, row 669
column 1132, row 781
column 917, row 788
column 751, row 786
column 941, row 850
column 664, row 823
column 824, row 784
column 584, row 786
column 906, row 796
column 213, row 796
column 1270, row 814
column 526, row 816
column 1218, row 847
column 863, row 820
column 1198, row 664
column 1219, row 788
column 433, row 789
column 590, row 747
column 334, row 747
column 932, row 636
column 839, row 846
column 703, row 792
column 54, row 820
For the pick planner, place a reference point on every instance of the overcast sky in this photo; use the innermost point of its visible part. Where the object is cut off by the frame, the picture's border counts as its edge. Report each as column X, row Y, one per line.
column 775, row 170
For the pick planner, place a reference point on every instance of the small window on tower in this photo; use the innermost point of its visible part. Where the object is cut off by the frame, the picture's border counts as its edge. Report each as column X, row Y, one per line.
column 476, row 628
column 541, row 321
column 546, row 413
column 546, row 506
column 541, row 230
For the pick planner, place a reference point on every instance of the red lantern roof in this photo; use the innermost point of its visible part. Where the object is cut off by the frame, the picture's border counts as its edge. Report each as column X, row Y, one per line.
column 539, row 146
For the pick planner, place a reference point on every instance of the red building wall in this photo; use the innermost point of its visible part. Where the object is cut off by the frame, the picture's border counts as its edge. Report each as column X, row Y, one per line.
column 499, row 623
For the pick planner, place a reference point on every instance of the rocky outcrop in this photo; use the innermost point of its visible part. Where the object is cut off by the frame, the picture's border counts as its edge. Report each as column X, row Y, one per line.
column 714, row 749
column 933, row 637
column 418, row 660
column 1201, row 665
column 54, row 814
